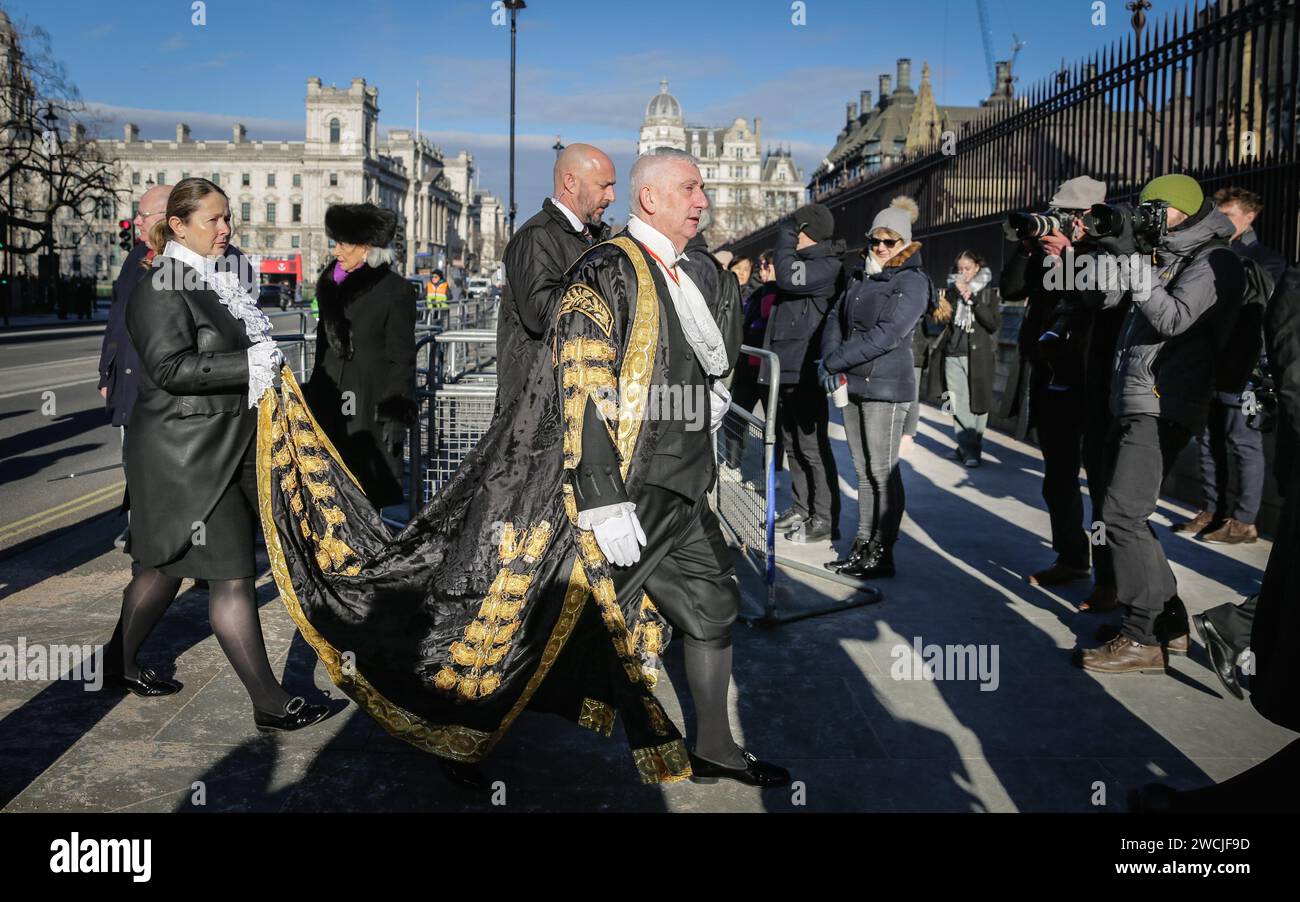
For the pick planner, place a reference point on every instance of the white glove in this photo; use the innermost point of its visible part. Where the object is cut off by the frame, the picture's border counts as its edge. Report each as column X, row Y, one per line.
column 620, row 536
column 719, row 401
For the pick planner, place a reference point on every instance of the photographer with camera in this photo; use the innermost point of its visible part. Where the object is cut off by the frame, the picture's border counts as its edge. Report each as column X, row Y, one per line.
column 809, row 276
column 1057, row 369
column 1238, row 409
column 1183, row 309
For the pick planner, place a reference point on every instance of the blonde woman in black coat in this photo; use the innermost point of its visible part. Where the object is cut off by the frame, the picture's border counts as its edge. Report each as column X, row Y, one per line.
column 968, row 347
column 362, row 388
column 207, row 357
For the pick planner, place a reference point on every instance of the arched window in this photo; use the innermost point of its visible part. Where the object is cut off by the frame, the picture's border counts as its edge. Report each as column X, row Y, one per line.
column 334, row 131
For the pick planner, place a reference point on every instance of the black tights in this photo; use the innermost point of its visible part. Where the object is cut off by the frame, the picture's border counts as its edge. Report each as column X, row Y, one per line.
column 232, row 610
column 708, row 673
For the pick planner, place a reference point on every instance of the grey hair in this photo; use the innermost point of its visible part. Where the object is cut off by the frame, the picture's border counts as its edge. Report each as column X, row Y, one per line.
column 378, row 256
column 648, row 166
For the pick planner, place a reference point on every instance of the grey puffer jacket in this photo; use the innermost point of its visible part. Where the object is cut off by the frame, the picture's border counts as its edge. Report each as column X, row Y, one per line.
column 1165, row 358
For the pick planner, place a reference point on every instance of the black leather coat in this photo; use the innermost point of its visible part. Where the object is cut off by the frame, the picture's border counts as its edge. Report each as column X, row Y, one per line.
column 191, row 423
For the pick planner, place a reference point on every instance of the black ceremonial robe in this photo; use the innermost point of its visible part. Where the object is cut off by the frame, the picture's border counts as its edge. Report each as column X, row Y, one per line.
column 491, row 600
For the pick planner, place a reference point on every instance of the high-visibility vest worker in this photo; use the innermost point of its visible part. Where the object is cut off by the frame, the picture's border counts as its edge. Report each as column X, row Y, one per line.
column 437, row 292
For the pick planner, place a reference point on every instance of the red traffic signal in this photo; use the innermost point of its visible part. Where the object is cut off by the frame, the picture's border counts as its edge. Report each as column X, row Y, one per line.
column 124, row 224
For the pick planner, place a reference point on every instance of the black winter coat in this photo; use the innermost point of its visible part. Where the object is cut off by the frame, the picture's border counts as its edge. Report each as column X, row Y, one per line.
column 983, row 347
column 191, row 423
column 536, row 261
column 119, row 364
column 365, row 344
column 808, row 282
column 868, row 336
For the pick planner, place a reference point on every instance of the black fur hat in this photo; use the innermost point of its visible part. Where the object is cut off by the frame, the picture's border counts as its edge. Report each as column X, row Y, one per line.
column 366, row 224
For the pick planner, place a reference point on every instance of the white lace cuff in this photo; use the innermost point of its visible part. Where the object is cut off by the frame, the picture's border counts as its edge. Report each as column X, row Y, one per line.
column 590, row 519
column 264, row 360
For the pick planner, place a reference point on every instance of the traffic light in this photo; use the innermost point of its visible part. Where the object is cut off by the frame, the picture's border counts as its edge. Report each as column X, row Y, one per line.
column 125, row 234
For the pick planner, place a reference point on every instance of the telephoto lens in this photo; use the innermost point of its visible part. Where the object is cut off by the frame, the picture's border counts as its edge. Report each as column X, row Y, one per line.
column 1036, row 225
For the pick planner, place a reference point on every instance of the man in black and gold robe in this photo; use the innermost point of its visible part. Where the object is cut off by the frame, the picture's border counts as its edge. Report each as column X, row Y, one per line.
column 547, row 572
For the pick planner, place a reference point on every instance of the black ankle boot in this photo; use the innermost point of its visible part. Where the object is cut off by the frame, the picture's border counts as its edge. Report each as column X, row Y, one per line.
column 876, row 562
column 859, row 546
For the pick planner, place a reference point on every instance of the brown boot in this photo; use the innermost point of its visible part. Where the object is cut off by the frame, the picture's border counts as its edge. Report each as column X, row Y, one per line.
column 1101, row 600
column 1123, row 655
column 1058, row 574
column 1198, row 524
column 1233, row 532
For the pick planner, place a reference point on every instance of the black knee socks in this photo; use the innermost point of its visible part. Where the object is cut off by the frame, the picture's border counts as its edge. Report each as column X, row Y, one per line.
column 708, row 672
column 232, row 608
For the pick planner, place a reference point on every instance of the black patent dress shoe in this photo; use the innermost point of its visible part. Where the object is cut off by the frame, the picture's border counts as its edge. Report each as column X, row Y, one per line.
column 789, row 519
column 1221, row 654
column 754, row 773
column 297, row 714
column 859, row 546
column 462, row 773
column 147, row 685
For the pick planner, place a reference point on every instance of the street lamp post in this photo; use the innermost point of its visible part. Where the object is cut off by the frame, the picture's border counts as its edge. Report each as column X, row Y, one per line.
column 51, row 138
column 558, row 147
column 514, row 6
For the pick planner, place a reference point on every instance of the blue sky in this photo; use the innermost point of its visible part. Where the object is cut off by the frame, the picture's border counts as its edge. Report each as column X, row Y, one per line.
column 586, row 69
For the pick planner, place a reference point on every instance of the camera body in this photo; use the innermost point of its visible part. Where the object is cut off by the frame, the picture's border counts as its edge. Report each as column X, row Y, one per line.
column 1028, row 226
column 1144, row 225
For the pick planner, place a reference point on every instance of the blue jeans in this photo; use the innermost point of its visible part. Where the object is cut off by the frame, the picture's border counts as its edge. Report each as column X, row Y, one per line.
column 968, row 427
column 874, row 430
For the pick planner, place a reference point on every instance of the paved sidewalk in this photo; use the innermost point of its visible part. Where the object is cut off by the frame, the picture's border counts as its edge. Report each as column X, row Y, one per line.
column 818, row 695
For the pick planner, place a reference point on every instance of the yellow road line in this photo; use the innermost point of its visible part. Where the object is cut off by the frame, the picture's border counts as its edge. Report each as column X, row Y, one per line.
column 35, row 521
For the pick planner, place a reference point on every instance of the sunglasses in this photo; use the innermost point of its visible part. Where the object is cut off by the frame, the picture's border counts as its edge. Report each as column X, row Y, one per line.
column 887, row 242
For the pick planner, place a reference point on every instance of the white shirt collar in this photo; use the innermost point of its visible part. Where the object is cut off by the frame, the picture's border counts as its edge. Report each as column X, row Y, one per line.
column 654, row 239
column 178, row 251
column 578, row 224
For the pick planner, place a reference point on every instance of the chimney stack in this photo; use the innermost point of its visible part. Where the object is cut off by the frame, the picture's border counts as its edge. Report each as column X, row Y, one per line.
column 77, row 133
column 131, row 133
column 905, row 75
column 851, row 112
column 238, row 134
column 182, row 133
column 864, row 101
column 884, row 89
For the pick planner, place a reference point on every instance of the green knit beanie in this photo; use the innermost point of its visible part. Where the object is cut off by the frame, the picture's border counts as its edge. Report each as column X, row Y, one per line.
column 1179, row 191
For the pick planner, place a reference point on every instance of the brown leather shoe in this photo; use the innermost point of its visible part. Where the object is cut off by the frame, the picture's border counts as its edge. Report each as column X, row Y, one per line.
column 1178, row 645
column 1198, row 524
column 1100, row 600
column 1233, row 532
column 1058, row 574
column 1123, row 655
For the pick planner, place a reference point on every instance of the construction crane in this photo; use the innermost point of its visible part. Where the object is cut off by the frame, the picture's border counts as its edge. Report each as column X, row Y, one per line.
column 986, row 34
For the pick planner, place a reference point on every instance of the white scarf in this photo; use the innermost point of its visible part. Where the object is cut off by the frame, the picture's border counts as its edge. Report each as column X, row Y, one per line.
column 698, row 325
column 243, row 307
column 964, row 316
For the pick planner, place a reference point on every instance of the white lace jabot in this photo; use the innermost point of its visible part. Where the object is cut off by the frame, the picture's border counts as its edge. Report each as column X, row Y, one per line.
column 263, row 358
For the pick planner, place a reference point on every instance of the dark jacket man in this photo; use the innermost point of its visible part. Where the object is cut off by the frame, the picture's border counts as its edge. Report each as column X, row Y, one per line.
column 809, row 281
column 536, row 260
column 119, row 364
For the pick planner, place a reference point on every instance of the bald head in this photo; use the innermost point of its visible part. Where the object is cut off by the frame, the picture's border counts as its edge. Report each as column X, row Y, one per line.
column 153, row 204
column 584, row 181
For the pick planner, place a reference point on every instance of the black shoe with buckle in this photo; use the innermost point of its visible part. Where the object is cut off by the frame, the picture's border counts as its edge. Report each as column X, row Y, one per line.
column 859, row 546
column 297, row 714
column 147, row 685
column 754, row 773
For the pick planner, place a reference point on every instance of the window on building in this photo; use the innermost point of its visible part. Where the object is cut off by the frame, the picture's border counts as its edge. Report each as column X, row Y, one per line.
column 334, row 131
column 245, row 211
column 740, row 153
column 334, row 179
column 268, row 239
column 297, row 179
column 295, row 241
column 135, row 209
column 135, row 178
column 162, row 178
column 216, row 178
column 297, row 213
column 185, row 175
column 270, row 180
column 270, row 212
column 245, row 179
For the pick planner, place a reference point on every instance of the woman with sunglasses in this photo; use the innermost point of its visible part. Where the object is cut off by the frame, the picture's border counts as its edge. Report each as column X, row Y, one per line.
column 868, row 340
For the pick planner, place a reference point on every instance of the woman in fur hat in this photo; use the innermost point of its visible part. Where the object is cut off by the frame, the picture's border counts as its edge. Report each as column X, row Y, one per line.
column 868, row 339
column 362, row 388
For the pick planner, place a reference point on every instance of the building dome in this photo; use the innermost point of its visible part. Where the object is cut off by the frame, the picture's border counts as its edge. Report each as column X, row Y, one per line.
column 663, row 107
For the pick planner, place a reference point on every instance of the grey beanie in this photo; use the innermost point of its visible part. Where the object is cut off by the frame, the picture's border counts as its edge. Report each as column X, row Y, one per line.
column 1079, row 194
column 897, row 217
